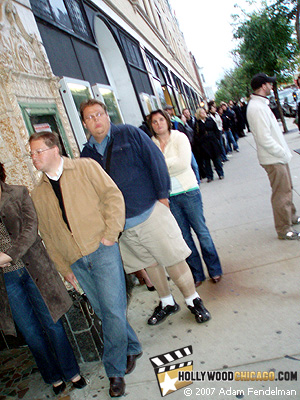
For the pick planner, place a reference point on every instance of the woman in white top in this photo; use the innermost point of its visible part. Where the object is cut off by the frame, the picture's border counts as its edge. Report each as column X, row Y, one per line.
column 185, row 196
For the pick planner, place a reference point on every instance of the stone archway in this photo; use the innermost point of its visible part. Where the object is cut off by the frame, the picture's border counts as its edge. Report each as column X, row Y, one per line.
column 118, row 74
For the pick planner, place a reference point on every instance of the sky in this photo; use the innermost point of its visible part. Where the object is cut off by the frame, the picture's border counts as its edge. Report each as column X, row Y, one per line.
column 206, row 26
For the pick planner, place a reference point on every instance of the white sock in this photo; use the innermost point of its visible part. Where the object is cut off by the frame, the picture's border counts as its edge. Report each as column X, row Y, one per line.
column 189, row 300
column 167, row 301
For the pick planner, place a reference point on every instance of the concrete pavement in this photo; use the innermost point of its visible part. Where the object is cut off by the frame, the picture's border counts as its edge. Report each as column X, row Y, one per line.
column 255, row 323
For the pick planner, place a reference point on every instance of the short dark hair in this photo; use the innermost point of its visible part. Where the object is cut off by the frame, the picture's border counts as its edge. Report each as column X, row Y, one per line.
column 91, row 102
column 2, row 173
column 259, row 79
column 210, row 105
column 164, row 114
column 51, row 139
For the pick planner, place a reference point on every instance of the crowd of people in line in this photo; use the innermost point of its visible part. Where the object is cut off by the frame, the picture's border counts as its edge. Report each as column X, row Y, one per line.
column 130, row 202
column 213, row 133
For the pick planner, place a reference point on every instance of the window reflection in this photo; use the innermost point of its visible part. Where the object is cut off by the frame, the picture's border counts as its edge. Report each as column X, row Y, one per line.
column 60, row 12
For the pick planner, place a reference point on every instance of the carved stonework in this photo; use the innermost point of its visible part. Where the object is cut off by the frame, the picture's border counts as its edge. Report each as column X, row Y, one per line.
column 25, row 76
column 18, row 50
column 32, row 86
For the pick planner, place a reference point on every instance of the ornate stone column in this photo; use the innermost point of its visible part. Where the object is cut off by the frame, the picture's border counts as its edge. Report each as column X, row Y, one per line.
column 25, row 77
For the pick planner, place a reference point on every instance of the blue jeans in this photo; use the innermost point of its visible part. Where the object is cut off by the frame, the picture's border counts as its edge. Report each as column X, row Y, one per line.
column 101, row 276
column 230, row 140
column 188, row 212
column 47, row 341
column 223, row 152
column 195, row 168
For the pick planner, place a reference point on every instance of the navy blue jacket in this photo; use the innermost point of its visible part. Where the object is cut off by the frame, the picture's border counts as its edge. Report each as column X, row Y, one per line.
column 136, row 165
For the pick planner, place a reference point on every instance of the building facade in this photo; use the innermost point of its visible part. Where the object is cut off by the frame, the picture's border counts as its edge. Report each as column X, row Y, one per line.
column 54, row 54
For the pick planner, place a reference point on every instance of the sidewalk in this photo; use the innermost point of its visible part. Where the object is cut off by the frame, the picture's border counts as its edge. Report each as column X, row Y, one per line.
column 255, row 323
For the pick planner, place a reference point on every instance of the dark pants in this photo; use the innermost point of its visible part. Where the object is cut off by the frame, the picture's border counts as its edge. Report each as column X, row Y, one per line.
column 218, row 166
column 47, row 341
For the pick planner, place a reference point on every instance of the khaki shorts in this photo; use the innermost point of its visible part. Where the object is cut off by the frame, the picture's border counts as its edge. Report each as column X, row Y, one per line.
column 158, row 240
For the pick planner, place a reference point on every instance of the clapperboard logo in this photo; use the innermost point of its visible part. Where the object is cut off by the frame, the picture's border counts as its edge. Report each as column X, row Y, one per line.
column 167, row 376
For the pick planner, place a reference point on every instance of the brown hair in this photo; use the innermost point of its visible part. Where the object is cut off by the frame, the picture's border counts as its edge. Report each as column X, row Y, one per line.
column 50, row 139
column 2, row 173
column 91, row 102
column 164, row 114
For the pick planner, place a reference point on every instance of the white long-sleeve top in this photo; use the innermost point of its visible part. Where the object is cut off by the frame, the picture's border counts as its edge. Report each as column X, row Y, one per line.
column 218, row 120
column 270, row 143
column 178, row 156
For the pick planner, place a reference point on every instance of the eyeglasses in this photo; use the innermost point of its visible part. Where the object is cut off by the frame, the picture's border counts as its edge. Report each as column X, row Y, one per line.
column 39, row 152
column 94, row 116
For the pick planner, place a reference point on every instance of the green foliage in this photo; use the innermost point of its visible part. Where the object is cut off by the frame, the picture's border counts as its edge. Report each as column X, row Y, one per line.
column 266, row 43
column 233, row 86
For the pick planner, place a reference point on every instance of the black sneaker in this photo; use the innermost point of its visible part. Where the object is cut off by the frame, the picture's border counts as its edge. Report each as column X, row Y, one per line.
column 201, row 313
column 160, row 313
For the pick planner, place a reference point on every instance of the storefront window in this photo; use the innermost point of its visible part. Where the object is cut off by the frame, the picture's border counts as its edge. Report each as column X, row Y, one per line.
column 110, row 101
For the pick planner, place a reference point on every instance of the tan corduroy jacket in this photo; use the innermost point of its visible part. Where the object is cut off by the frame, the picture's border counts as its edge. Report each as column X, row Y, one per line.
column 94, row 207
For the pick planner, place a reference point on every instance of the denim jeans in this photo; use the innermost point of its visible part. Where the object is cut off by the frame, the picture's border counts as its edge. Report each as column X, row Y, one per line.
column 188, row 212
column 101, row 276
column 47, row 341
column 230, row 140
column 223, row 152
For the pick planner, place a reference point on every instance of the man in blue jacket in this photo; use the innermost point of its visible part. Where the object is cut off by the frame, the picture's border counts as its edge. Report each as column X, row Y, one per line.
column 151, row 237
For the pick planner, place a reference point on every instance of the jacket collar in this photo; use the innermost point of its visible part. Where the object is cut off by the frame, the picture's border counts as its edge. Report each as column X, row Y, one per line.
column 68, row 164
column 113, row 131
column 258, row 97
column 5, row 193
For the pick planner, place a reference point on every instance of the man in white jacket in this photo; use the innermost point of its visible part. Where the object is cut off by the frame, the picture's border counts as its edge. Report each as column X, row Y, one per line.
column 273, row 155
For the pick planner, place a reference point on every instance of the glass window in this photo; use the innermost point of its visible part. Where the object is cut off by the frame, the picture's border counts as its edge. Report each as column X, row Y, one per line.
column 112, row 106
column 132, row 51
column 74, row 92
column 45, row 117
column 152, row 66
column 41, row 8
column 61, row 13
column 78, row 20
column 80, row 93
column 67, row 13
column 160, row 93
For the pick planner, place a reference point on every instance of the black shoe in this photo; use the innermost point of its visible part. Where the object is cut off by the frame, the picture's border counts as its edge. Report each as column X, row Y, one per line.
column 59, row 389
column 201, row 313
column 117, row 386
column 131, row 362
column 151, row 288
column 161, row 313
column 80, row 384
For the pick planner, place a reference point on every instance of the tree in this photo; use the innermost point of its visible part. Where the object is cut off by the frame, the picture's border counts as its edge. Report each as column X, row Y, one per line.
column 266, row 44
column 292, row 8
column 233, row 86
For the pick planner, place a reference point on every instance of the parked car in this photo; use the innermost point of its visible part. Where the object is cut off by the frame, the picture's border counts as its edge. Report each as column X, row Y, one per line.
column 273, row 105
column 288, row 100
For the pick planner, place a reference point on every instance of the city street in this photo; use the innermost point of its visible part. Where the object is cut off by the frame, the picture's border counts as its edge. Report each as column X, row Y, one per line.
column 255, row 323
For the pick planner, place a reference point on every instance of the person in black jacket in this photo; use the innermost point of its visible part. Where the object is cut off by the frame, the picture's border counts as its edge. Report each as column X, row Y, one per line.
column 223, row 112
column 206, row 145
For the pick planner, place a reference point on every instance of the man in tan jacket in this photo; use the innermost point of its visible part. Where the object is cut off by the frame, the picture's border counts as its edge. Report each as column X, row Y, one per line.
column 81, row 213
